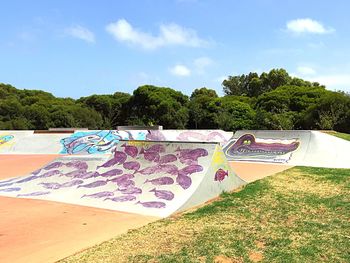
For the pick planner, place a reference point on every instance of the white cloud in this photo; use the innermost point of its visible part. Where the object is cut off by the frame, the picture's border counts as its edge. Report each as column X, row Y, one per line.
column 202, row 63
column 306, row 70
column 220, row 79
column 307, row 25
column 333, row 81
column 82, row 33
column 170, row 34
column 180, row 71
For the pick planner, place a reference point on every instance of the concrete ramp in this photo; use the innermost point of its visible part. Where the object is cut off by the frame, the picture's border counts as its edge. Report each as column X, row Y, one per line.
column 9, row 139
column 98, row 141
column 305, row 148
column 149, row 178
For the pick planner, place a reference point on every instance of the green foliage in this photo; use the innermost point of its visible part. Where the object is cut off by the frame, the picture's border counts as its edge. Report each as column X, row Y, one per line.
column 253, row 85
column 232, row 114
column 151, row 105
column 271, row 100
column 202, row 114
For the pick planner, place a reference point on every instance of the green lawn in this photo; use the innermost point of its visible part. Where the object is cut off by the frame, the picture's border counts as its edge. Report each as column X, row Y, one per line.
column 344, row 136
column 299, row 215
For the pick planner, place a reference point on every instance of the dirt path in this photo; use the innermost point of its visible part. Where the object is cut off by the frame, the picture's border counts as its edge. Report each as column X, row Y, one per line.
column 22, row 164
column 250, row 171
column 41, row 231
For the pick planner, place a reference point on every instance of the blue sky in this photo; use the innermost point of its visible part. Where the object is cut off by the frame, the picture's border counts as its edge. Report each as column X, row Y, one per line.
column 78, row 48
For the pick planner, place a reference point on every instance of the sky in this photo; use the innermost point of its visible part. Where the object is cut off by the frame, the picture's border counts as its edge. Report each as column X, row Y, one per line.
column 83, row 47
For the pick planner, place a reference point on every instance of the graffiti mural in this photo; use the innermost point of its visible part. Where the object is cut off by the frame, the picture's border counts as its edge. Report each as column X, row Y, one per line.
column 5, row 139
column 205, row 136
column 248, row 148
column 139, row 175
column 96, row 141
column 92, row 142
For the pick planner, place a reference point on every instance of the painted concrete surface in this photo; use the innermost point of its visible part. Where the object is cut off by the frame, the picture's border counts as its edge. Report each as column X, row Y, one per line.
column 39, row 231
column 149, row 178
column 305, row 148
column 96, row 142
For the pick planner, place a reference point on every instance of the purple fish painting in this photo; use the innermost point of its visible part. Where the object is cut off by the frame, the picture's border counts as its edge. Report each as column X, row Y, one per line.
column 112, row 173
column 50, row 173
column 220, row 175
column 168, row 158
column 93, row 184
column 77, row 165
column 188, row 161
column 163, row 194
column 8, row 180
column 184, row 181
column 36, row 172
column 130, row 150
column 159, row 148
column 188, row 170
column 34, row 194
column 152, row 204
column 120, row 157
column 192, row 154
column 12, row 189
column 109, row 163
column 124, row 177
column 167, row 168
column 151, row 156
column 149, row 170
column 126, row 183
column 27, row 179
column 5, row 185
column 131, row 191
column 155, row 135
column 87, row 175
column 72, row 183
column 103, row 194
column 53, row 165
column 132, row 165
column 124, row 198
column 51, row 185
column 76, row 173
column 160, row 181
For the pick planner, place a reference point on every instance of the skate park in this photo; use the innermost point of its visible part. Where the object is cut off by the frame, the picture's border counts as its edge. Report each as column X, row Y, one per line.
column 76, row 190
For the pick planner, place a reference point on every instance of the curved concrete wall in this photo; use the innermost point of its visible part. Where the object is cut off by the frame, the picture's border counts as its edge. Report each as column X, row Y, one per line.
column 151, row 178
column 305, row 148
column 96, row 142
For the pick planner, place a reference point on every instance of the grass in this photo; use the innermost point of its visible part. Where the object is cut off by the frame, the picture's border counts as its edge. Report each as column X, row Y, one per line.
column 299, row 215
column 343, row 136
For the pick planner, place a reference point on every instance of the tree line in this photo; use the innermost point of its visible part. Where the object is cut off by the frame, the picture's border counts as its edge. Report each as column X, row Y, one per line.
column 272, row 100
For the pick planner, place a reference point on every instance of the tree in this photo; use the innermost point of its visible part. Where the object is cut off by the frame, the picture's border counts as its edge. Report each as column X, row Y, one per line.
column 38, row 117
column 332, row 112
column 151, row 105
column 232, row 115
column 200, row 113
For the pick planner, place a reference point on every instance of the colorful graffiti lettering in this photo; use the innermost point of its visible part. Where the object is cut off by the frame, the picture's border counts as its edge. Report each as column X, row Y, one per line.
column 248, row 148
column 5, row 139
column 96, row 141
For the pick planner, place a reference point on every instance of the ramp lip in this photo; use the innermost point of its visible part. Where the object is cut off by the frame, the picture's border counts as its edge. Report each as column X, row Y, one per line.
column 159, row 141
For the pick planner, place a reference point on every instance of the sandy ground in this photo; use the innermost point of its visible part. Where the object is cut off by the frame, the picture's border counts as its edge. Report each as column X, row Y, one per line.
column 42, row 231
column 251, row 171
column 22, row 164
